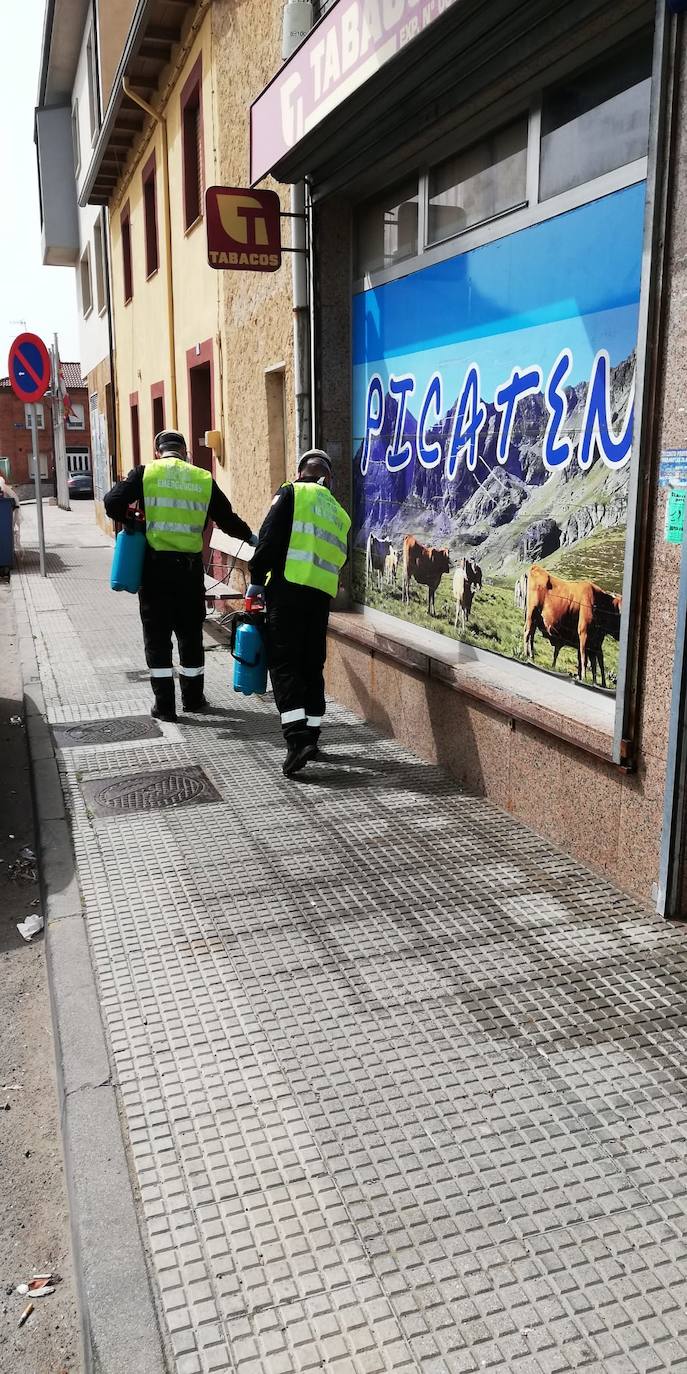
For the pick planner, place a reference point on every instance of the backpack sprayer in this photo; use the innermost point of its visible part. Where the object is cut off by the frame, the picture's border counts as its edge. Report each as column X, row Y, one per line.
column 248, row 648
column 247, row 641
column 129, row 551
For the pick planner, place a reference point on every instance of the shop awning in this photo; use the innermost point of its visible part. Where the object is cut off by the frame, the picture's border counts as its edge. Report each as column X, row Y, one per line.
column 376, row 73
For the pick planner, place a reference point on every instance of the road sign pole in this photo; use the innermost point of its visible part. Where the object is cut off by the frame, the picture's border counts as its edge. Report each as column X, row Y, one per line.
column 39, row 491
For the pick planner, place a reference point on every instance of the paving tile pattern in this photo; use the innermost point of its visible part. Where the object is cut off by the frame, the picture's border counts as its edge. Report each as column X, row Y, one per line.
column 405, row 1088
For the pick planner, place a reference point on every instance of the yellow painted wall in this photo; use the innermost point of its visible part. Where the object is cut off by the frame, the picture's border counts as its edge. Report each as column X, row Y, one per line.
column 248, row 316
column 141, row 329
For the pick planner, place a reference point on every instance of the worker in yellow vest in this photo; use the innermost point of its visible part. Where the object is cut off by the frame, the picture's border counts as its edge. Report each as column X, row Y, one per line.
column 178, row 499
column 302, row 547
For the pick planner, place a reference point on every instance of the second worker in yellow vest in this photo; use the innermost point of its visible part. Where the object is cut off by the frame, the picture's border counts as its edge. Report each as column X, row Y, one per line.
column 179, row 499
column 302, row 547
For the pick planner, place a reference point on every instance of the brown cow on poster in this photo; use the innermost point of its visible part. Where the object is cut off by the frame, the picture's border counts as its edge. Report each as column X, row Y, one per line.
column 427, row 566
column 569, row 614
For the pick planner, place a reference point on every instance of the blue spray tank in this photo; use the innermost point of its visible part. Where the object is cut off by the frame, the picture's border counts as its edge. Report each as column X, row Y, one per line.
column 129, row 551
column 249, row 651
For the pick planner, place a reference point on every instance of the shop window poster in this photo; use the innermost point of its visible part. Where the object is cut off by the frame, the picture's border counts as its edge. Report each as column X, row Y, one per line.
column 493, row 413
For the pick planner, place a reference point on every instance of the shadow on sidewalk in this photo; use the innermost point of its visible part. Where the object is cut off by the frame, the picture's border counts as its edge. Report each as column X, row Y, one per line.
column 19, row 896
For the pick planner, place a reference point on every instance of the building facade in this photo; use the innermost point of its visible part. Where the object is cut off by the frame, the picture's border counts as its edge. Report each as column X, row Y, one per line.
column 204, row 351
column 16, row 449
column 68, row 120
column 497, row 196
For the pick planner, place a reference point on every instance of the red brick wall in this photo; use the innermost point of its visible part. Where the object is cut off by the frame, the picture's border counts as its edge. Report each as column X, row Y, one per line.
column 15, row 438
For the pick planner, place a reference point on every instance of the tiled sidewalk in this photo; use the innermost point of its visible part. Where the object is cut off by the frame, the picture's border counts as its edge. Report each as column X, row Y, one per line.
column 405, row 1089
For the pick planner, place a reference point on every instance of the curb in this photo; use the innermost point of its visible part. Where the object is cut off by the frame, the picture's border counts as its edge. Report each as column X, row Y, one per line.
column 120, row 1326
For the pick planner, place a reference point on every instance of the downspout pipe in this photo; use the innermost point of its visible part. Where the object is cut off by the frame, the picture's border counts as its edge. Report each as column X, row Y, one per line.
column 162, row 125
column 298, row 18
column 301, row 322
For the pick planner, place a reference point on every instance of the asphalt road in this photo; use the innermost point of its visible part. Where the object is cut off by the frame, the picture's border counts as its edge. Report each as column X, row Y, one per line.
column 34, row 1224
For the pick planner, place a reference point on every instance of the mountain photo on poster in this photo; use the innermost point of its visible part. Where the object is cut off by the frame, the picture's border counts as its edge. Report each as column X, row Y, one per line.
column 493, row 413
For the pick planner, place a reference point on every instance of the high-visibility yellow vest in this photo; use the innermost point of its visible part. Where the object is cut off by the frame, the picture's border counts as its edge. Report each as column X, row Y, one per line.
column 318, row 546
column 176, row 497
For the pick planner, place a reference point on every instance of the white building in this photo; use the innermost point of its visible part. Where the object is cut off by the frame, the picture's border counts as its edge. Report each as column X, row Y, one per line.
column 68, row 119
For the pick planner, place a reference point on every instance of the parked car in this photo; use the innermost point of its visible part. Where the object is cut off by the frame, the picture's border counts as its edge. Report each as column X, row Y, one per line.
column 80, row 484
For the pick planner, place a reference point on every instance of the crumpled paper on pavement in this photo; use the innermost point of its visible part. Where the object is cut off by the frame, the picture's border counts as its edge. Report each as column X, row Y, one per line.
column 31, row 926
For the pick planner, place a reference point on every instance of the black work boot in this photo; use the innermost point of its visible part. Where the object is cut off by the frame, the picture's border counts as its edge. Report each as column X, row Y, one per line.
column 298, row 752
column 192, row 693
column 165, row 701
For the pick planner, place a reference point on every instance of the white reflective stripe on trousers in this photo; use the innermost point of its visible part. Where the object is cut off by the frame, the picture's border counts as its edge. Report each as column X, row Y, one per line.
column 162, row 672
column 288, row 716
column 191, row 672
column 313, row 720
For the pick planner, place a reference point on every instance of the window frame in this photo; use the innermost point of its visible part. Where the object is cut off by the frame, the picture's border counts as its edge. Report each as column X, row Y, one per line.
column 99, row 261
column 127, row 253
column 533, row 210
column 85, row 261
column 40, row 415
column 81, row 426
column 135, row 423
column 430, row 243
column 76, row 136
column 151, row 235
column 157, row 393
column 92, row 85
column 192, row 97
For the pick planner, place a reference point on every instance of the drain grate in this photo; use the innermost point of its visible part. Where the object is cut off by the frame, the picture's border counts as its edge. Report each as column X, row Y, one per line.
column 123, row 796
column 116, row 730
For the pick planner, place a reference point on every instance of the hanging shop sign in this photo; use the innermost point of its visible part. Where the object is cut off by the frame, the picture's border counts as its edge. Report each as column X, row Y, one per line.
column 353, row 42
column 493, row 415
column 244, row 229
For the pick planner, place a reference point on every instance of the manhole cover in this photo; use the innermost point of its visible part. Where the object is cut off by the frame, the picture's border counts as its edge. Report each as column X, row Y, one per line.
column 122, row 796
column 117, row 730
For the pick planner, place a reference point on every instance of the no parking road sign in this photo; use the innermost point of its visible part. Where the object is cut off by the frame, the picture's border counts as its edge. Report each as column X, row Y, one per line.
column 29, row 367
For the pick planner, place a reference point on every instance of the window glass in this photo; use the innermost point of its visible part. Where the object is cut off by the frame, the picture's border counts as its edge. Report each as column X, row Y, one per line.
column 75, row 416
column 192, row 130
column 150, row 214
column 40, row 417
column 127, row 264
column 92, row 87
column 75, row 137
column 99, row 268
column 86, row 288
column 478, row 184
column 597, row 120
column 387, row 229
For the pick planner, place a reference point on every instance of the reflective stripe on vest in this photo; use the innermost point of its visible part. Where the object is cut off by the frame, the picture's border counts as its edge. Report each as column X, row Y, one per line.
column 176, row 497
column 318, row 545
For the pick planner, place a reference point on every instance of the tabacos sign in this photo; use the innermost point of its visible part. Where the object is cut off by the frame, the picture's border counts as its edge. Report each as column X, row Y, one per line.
column 455, row 438
column 353, row 42
column 243, row 228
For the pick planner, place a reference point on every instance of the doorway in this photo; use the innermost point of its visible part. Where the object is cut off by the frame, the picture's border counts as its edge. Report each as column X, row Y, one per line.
column 201, row 414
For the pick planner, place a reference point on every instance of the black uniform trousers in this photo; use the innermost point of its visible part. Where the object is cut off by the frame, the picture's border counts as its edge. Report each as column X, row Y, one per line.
column 172, row 602
column 296, row 652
